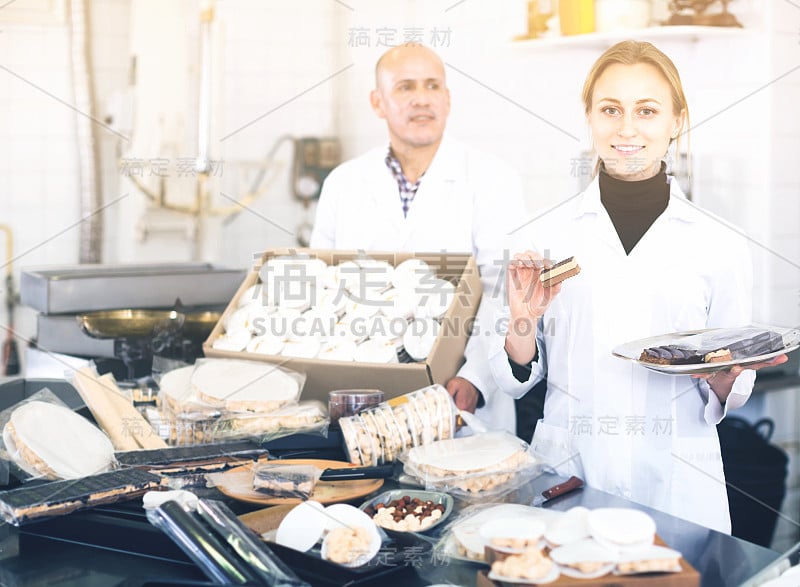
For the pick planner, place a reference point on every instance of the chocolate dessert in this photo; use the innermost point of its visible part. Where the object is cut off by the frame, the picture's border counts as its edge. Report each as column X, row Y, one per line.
column 671, row 355
column 761, row 343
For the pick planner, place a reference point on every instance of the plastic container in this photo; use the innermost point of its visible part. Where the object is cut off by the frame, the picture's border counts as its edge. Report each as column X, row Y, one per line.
column 349, row 402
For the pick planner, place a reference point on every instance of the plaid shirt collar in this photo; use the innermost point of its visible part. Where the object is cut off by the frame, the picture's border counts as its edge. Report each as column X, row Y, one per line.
column 406, row 189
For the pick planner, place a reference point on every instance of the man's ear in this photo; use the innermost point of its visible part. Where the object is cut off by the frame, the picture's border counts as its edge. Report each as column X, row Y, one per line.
column 376, row 101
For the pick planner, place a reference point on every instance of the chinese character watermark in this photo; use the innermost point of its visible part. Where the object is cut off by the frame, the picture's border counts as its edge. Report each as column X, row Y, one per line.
column 385, row 36
column 165, row 168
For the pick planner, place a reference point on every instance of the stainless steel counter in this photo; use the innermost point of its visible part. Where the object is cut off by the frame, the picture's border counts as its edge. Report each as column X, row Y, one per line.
column 27, row 559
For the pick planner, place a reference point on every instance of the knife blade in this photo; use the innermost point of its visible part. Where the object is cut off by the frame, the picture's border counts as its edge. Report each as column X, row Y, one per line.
column 355, row 473
column 558, row 490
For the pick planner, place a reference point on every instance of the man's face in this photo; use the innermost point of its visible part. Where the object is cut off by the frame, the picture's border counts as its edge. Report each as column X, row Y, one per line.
column 412, row 96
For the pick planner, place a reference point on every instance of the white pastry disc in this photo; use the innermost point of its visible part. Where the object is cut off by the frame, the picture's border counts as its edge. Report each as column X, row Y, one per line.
column 58, row 439
column 376, row 351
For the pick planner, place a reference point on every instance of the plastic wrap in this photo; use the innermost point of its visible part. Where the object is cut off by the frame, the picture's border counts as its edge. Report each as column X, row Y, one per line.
column 742, row 342
column 279, row 480
column 52, row 460
column 461, row 538
column 304, row 417
column 215, row 386
column 57, row 498
column 226, row 550
column 383, row 433
column 484, row 465
column 187, row 416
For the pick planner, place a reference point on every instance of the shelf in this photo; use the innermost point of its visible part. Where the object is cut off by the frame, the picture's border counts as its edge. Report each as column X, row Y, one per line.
column 604, row 40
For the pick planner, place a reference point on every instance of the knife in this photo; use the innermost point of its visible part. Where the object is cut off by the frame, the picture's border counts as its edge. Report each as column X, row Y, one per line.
column 558, row 490
column 354, row 473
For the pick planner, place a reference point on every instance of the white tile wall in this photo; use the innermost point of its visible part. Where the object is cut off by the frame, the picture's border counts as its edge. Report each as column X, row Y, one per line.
column 269, row 53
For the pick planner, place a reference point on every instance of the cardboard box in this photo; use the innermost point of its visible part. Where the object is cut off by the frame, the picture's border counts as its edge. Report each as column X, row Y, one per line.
column 393, row 379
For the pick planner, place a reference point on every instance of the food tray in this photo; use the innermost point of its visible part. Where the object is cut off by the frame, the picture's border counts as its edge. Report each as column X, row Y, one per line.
column 633, row 350
column 81, row 288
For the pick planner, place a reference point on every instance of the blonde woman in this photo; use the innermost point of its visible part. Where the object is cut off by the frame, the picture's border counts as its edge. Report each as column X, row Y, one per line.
column 651, row 263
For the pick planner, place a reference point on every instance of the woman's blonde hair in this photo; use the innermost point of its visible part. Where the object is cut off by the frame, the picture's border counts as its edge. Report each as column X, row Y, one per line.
column 632, row 53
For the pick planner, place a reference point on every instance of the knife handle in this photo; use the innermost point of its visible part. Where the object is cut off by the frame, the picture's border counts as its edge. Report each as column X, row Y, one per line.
column 352, row 473
column 562, row 488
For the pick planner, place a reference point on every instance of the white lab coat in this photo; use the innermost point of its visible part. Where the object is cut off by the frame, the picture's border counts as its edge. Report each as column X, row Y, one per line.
column 643, row 435
column 467, row 202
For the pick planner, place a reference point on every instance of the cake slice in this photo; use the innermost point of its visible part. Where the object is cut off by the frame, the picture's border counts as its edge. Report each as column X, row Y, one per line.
column 559, row 272
column 671, row 355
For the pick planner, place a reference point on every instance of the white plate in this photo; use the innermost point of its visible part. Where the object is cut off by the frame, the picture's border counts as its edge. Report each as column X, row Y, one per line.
column 302, row 527
column 344, row 515
column 633, row 350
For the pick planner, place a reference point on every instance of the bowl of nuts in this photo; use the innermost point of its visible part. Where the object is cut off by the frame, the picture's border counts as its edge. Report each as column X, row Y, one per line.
column 406, row 510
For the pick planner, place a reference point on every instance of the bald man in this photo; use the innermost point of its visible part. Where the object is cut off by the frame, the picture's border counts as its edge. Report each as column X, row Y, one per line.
column 426, row 192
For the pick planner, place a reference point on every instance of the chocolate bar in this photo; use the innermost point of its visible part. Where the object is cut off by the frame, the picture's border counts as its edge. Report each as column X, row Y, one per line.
column 201, row 456
column 57, row 498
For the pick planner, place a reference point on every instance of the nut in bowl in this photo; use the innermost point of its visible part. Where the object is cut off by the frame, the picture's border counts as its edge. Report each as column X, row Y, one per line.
column 405, row 510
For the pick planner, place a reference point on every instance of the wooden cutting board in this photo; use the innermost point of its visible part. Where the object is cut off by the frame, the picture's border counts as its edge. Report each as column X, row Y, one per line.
column 238, row 484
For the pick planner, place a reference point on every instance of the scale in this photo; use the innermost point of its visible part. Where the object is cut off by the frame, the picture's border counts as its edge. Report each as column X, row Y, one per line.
column 139, row 335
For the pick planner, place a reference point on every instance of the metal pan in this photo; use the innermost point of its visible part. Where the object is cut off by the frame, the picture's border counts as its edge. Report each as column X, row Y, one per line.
column 200, row 324
column 129, row 323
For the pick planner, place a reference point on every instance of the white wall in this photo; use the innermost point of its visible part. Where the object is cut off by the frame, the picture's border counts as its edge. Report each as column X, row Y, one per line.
column 272, row 61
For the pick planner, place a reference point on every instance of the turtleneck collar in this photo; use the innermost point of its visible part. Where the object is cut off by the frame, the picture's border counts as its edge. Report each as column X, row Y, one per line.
column 633, row 206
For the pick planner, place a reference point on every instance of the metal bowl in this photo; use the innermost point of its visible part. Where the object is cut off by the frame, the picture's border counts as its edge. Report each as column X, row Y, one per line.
column 129, row 323
column 200, row 324
column 436, row 497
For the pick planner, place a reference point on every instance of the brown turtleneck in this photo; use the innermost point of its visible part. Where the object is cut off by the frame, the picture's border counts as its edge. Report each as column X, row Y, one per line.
column 633, row 206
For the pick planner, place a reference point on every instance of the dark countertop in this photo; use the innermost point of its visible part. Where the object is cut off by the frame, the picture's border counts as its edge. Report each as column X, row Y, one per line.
column 29, row 557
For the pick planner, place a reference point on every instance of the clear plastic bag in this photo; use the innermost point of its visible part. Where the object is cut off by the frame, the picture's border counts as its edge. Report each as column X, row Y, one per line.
column 305, row 417
column 44, row 454
column 280, row 480
column 215, row 386
column 484, row 466
column 384, row 433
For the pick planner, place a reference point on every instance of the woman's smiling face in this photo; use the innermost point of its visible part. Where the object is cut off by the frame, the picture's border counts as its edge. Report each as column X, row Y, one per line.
column 632, row 120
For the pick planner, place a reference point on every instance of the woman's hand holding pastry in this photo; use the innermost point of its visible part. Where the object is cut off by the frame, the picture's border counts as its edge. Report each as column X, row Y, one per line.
column 528, row 300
